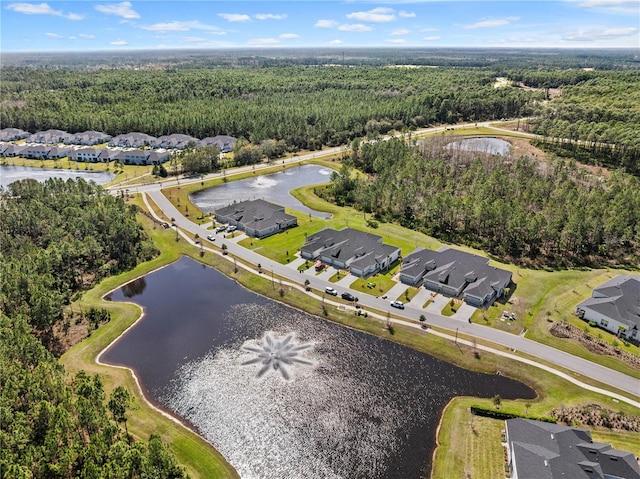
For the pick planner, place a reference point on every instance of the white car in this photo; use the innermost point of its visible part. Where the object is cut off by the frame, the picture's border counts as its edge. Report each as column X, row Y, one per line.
column 397, row 304
column 211, row 238
column 331, row 291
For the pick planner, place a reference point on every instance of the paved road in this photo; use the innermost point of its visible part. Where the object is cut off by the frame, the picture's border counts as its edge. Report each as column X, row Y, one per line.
column 600, row 373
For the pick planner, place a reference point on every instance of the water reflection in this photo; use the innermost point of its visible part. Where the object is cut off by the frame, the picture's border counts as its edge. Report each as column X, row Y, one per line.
column 492, row 146
column 274, row 188
column 9, row 174
column 366, row 408
column 134, row 288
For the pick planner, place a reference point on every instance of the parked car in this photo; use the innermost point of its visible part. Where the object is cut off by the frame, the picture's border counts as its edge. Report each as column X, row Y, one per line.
column 397, row 304
column 348, row 296
column 231, row 229
column 211, row 238
column 221, row 228
column 331, row 291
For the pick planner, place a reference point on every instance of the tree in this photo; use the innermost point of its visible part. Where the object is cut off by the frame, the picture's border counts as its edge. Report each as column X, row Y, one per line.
column 118, row 405
column 497, row 400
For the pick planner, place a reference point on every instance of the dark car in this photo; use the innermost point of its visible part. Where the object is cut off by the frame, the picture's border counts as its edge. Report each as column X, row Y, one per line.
column 348, row 296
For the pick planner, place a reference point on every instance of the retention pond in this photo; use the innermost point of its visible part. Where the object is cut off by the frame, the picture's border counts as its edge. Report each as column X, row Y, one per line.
column 284, row 394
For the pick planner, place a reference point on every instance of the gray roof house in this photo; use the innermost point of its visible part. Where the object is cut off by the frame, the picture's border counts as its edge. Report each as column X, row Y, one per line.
column 13, row 150
column 132, row 140
column 12, row 134
column 257, row 218
column 540, row 450
column 58, row 152
column 224, row 143
column 615, row 306
column 107, row 154
column 177, row 141
column 89, row 155
column 88, row 138
column 34, row 152
column 362, row 253
column 455, row 273
column 142, row 157
column 49, row 137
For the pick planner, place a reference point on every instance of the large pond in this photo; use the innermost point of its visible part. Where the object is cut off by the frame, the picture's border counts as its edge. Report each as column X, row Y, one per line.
column 492, row 146
column 9, row 174
column 281, row 393
column 274, row 187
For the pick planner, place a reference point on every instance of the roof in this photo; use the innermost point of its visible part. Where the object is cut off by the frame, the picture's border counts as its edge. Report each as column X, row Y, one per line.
column 618, row 299
column 456, row 269
column 48, row 136
column 177, row 140
column 10, row 134
column 548, row 451
column 223, row 142
column 90, row 137
column 134, row 140
column 255, row 214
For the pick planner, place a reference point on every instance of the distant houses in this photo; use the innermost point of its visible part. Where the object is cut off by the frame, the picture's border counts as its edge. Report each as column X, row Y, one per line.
column 13, row 134
column 175, row 142
column 257, row 218
column 49, row 137
column 615, row 306
column 455, row 273
column 363, row 254
column 224, row 143
column 88, row 138
column 132, row 140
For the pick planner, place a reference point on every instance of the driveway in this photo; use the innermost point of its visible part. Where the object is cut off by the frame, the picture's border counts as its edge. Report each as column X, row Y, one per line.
column 395, row 292
column 347, row 281
column 464, row 312
column 326, row 274
column 295, row 263
column 438, row 304
column 422, row 297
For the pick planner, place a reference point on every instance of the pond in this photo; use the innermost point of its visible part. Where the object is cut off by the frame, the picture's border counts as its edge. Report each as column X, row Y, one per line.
column 281, row 393
column 9, row 174
column 274, row 187
column 492, row 146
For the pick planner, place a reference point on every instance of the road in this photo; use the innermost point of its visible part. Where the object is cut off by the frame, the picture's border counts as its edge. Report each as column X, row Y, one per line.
column 578, row 365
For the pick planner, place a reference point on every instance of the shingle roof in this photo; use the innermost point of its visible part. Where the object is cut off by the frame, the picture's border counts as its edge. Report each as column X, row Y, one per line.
column 618, row 299
column 255, row 214
column 11, row 134
column 551, row 451
column 224, row 143
column 133, row 140
column 177, row 141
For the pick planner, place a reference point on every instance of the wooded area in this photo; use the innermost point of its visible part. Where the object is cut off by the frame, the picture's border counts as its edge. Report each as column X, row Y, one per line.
column 57, row 239
column 552, row 214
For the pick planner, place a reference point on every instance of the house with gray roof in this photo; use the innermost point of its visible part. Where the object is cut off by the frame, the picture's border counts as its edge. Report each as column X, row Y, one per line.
column 87, row 155
column 224, row 143
column 132, row 140
column 49, row 137
column 455, row 273
column 363, row 254
column 541, row 450
column 13, row 150
column 88, row 138
column 615, row 306
column 58, row 152
column 177, row 141
column 36, row 152
column 142, row 157
column 12, row 134
column 257, row 218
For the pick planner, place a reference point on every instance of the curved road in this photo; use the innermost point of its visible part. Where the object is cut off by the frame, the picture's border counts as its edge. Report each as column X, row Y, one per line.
column 600, row 373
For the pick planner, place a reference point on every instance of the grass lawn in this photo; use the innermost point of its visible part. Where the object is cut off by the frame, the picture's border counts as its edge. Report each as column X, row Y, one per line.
column 408, row 294
column 376, row 285
column 449, row 310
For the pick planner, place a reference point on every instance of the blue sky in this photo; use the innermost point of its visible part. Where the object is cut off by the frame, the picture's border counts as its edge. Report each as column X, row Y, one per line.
column 147, row 24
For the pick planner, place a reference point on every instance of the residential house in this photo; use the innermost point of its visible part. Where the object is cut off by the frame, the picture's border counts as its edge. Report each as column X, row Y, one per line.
column 541, row 450
column 257, row 218
column 49, row 137
column 88, row 138
column 615, row 306
column 176, row 141
column 132, row 140
column 13, row 150
column 88, row 155
column 58, row 152
column 107, row 155
column 36, row 152
column 142, row 157
column 455, row 273
column 363, row 254
column 224, row 143
column 12, row 134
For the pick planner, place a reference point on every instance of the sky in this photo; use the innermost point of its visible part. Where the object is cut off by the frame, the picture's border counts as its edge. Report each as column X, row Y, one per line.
column 150, row 24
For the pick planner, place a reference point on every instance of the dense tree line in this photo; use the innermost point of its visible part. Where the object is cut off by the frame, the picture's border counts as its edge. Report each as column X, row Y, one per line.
column 304, row 107
column 56, row 239
column 544, row 214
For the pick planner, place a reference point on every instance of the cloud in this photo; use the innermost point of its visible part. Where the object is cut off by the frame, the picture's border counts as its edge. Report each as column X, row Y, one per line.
column 235, row 17
column 194, row 39
column 178, row 26
column 86, row 35
column 431, row 39
column 118, row 43
column 41, row 9
column 264, row 41
column 377, row 15
column 355, row 27
column 625, row 7
column 270, row 16
column 403, row 14
column 53, row 35
column 326, row 24
column 595, row 34
column 335, row 42
column 400, row 31
column 498, row 22
column 396, row 40
column 122, row 9
column 286, row 36
column 426, row 30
